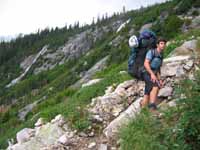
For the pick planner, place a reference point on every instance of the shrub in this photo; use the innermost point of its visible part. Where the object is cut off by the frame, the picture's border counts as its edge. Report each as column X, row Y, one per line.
column 172, row 26
column 189, row 120
column 184, row 6
column 195, row 13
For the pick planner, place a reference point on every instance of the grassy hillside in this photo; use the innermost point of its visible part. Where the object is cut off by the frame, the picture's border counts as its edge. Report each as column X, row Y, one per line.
column 54, row 84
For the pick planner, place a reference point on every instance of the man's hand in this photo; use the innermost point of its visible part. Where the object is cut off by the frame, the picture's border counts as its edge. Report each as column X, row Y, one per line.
column 161, row 83
column 153, row 77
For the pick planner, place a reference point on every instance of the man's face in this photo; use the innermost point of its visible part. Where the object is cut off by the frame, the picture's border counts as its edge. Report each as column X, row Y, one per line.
column 161, row 45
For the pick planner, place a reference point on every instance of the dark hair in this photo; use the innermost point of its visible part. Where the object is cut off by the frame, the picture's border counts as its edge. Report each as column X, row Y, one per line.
column 161, row 39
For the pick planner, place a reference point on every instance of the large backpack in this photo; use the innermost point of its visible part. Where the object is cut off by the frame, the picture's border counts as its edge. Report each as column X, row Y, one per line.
column 146, row 41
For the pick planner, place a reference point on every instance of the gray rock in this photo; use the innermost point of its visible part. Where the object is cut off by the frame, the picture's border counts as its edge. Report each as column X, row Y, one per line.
column 39, row 122
column 173, row 66
column 188, row 48
column 111, row 131
column 10, row 143
column 103, row 147
column 27, row 62
column 172, row 103
column 91, row 82
column 109, row 90
column 146, row 26
column 77, row 46
column 116, row 42
column 18, row 79
column 91, row 145
column 163, row 16
column 97, row 118
column 24, row 111
column 195, row 22
column 88, row 75
column 91, row 134
column 165, row 92
column 188, row 66
column 67, row 138
column 25, row 135
column 82, row 134
column 59, row 120
column 47, row 134
column 123, row 72
column 114, row 102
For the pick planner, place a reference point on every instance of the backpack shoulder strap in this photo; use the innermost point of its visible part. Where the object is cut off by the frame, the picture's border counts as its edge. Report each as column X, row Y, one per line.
column 153, row 52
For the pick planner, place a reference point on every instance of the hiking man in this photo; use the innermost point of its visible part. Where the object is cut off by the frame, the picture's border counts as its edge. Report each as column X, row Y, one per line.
column 151, row 75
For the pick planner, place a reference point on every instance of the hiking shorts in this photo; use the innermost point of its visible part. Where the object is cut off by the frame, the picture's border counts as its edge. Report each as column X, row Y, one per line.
column 148, row 83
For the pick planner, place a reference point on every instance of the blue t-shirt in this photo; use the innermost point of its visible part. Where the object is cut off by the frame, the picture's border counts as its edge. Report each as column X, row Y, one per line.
column 155, row 58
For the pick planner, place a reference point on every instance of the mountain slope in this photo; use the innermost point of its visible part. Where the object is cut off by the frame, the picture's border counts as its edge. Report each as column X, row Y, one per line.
column 48, row 85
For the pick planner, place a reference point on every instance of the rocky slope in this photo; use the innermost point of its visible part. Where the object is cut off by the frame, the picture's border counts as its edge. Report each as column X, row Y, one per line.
column 48, row 81
column 110, row 111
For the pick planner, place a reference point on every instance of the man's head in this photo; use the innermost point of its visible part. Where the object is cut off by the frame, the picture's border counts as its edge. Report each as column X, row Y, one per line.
column 161, row 43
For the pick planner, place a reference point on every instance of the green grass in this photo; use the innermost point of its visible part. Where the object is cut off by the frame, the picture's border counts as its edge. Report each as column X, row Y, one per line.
column 73, row 107
column 70, row 102
column 140, row 133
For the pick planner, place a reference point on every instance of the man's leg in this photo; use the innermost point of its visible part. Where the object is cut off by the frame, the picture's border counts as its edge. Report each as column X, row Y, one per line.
column 147, row 89
column 145, row 100
column 153, row 97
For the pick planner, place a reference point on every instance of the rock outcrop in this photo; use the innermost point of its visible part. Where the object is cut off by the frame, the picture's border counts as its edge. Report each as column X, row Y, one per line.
column 27, row 67
column 87, row 76
column 75, row 47
column 44, row 136
column 123, row 25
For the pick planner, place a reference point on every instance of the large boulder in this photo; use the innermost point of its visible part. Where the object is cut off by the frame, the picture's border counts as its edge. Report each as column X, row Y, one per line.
column 174, row 66
column 44, row 135
column 110, row 105
column 39, row 122
column 111, row 131
column 188, row 48
column 24, row 135
column 165, row 92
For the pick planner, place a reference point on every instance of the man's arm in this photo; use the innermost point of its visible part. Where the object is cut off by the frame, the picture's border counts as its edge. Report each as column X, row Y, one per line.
column 159, row 79
column 158, row 75
column 148, row 68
